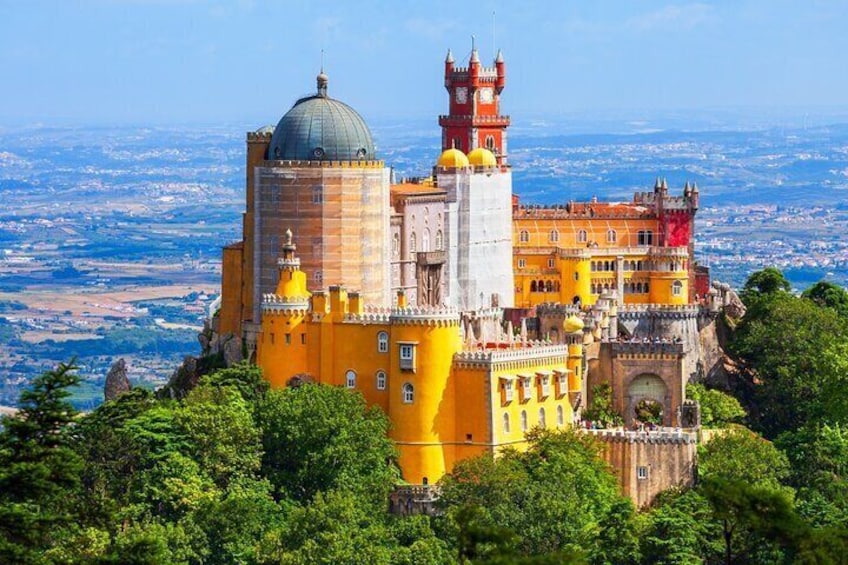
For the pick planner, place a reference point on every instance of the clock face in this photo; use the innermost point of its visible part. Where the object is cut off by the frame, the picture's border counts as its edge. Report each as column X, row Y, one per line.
column 461, row 95
column 486, row 95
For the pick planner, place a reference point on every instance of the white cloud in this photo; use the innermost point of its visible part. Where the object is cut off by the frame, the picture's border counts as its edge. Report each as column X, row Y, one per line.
column 672, row 18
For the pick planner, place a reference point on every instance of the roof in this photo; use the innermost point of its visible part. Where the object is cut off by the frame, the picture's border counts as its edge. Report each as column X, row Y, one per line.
column 408, row 188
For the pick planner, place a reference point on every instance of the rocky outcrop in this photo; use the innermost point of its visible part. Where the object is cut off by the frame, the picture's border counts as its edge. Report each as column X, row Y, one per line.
column 117, row 382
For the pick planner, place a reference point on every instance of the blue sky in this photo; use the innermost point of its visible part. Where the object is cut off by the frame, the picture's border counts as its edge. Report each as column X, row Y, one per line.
column 192, row 61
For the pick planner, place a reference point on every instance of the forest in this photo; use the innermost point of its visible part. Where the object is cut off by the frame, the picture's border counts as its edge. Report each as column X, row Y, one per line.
column 230, row 471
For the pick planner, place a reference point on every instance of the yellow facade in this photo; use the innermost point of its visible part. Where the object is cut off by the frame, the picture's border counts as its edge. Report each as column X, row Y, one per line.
column 446, row 398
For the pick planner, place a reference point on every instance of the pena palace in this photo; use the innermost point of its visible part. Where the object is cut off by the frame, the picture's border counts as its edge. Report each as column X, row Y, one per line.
column 466, row 315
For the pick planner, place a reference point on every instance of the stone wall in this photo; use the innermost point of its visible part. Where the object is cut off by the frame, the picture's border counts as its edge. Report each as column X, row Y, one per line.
column 647, row 463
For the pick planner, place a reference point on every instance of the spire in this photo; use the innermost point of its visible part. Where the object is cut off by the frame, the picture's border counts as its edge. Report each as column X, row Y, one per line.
column 499, row 58
column 657, row 184
column 664, row 184
column 449, row 58
column 475, row 58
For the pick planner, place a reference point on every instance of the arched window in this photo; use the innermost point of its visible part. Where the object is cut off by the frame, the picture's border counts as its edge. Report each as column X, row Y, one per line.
column 395, row 245
column 646, row 287
column 408, row 393
column 638, row 288
column 560, row 417
column 677, row 288
column 523, row 420
column 551, row 263
column 490, row 142
column 506, row 423
column 350, row 379
column 439, row 240
column 381, row 380
column 594, row 266
column 382, row 342
column 542, row 423
column 554, row 236
column 318, row 277
column 412, row 242
column 524, row 236
column 638, row 265
column 425, row 240
column 611, row 236
column 594, row 289
column 606, row 265
column 541, row 286
column 582, row 236
column 532, row 286
column 606, row 287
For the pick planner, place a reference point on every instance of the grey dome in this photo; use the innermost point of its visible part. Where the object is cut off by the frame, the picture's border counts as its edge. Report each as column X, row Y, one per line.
column 318, row 128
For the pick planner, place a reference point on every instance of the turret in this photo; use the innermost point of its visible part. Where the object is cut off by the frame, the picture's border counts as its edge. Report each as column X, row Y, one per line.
column 500, row 68
column 474, row 64
column 448, row 69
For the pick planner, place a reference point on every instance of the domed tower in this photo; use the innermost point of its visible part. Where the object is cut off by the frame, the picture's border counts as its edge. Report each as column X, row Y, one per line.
column 318, row 174
column 281, row 347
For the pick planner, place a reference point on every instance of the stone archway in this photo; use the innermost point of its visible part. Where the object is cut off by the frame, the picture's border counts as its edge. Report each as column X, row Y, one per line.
column 646, row 388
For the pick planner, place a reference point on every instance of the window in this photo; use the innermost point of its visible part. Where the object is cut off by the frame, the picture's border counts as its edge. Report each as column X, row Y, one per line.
column 425, row 240
column 508, row 390
column 582, row 236
column 506, row 423
column 551, row 263
column 407, row 356
column 554, row 236
column 524, row 236
column 641, row 473
column 611, row 236
column 439, row 240
column 562, row 383
column 412, row 242
column 560, row 417
column 542, row 423
column 408, row 393
column 317, row 195
column 318, row 277
column 381, row 380
column 350, row 379
column 522, row 263
column 546, row 385
column 382, row 342
column 677, row 288
column 526, row 387
column 645, row 237
column 523, row 420
column 490, row 142
column 288, row 339
column 303, row 339
column 395, row 245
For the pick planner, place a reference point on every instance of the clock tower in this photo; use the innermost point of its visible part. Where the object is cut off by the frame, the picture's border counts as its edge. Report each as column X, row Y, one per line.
column 474, row 119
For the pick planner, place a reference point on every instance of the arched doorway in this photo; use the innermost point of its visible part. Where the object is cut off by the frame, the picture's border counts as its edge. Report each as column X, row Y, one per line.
column 647, row 400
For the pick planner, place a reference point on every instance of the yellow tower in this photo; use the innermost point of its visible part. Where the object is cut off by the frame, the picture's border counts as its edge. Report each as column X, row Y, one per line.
column 423, row 410
column 282, row 346
column 573, row 330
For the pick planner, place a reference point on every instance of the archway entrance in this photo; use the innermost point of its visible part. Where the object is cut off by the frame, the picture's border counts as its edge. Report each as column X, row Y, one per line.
column 647, row 400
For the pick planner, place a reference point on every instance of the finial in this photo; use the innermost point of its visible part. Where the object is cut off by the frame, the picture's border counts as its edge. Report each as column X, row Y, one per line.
column 475, row 58
column 322, row 80
column 288, row 237
column 449, row 58
column 499, row 58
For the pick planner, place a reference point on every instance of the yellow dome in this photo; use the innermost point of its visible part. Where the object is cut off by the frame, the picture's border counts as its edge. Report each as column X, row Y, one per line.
column 572, row 325
column 482, row 157
column 452, row 159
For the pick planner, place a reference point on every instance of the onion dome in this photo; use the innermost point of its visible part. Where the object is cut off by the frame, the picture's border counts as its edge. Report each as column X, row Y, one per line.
column 482, row 157
column 319, row 128
column 572, row 325
column 452, row 159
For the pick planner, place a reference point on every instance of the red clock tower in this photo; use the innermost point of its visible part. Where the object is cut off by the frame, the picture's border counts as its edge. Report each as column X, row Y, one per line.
column 474, row 119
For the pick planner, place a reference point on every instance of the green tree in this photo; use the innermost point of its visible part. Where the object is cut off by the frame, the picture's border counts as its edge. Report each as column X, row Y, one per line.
column 718, row 409
column 829, row 295
column 39, row 471
column 780, row 345
column 318, row 438
column 220, row 433
column 680, row 529
column 741, row 455
column 557, row 496
column 601, row 410
column 764, row 283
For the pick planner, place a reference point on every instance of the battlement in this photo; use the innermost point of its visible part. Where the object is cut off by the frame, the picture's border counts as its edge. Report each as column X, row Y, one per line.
column 425, row 315
column 670, row 311
column 529, row 351
column 259, row 136
column 276, row 303
column 675, row 436
column 622, row 348
column 378, row 164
